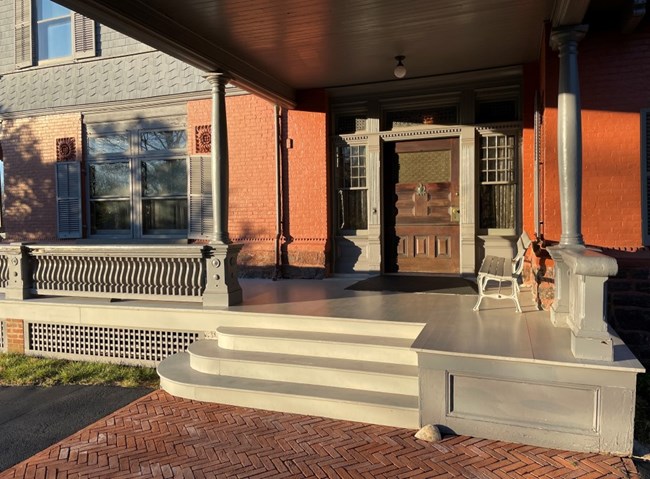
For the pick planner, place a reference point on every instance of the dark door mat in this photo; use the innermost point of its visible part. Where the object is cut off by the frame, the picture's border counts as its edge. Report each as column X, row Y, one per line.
column 416, row 284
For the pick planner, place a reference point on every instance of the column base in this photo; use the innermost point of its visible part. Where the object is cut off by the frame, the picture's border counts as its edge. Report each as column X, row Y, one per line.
column 596, row 348
column 222, row 288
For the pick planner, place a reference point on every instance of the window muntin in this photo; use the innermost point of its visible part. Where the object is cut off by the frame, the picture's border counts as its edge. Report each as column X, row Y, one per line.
column 137, row 183
column 164, row 193
column 108, row 144
column 163, row 140
column 53, row 30
column 498, row 188
column 352, row 193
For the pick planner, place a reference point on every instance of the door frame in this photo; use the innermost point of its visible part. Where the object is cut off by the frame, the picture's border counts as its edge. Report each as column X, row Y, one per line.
column 467, row 138
column 390, row 256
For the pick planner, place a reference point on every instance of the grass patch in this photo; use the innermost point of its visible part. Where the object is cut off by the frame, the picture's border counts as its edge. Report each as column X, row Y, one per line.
column 21, row 370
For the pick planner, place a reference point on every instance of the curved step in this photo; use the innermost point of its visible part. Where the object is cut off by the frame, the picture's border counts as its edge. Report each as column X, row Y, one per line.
column 179, row 379
column 207, row 357
column 319, row 344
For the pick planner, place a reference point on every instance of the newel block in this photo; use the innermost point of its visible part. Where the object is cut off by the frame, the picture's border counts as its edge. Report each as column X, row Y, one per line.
column 222, row 286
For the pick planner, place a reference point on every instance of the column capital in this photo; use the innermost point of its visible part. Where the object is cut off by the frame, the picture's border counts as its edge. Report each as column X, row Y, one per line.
column 217, row 78
column 568, row 36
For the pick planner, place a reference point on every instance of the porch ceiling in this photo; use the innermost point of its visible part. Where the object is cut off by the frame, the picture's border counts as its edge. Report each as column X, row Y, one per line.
column 276, row 48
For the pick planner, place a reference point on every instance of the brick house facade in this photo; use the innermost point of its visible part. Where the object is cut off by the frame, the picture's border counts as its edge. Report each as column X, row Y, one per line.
column 284, row 196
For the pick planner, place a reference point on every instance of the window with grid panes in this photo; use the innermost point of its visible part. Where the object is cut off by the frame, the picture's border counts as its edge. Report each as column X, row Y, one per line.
column 352, row 191
column 497, row 195
column 137, row 183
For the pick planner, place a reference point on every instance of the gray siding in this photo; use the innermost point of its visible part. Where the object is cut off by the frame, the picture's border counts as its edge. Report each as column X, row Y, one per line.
column 124, row 69
column 112, row 44
column 132, row 77
column 7, row 62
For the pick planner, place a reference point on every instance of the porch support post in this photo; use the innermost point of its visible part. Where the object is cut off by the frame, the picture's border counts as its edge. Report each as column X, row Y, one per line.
column 580, row 273
column 222, row 286
column 569, row 133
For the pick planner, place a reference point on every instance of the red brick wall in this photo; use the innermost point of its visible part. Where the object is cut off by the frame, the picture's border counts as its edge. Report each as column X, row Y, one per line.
column 614, row 74
column 15, row 339
column 29, row 148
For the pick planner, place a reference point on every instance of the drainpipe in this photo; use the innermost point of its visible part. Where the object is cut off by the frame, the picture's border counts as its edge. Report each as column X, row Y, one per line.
column 537, row 153
column 278, row 193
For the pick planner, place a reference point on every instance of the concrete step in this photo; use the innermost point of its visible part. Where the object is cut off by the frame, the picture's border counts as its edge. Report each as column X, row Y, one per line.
column 394, row 329
column 178, row 378
column 320, row 344
column 207, row 357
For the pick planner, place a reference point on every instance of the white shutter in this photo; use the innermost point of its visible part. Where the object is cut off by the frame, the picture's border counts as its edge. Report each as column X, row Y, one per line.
column 84, row 36
column 68, row 199
column 200, row 197
column 23, row 33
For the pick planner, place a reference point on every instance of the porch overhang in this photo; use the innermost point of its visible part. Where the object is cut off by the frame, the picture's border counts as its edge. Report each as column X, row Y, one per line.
column 277, row 49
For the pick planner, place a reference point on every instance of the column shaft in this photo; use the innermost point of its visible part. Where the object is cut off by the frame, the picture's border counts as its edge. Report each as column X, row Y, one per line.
column 219, row 158
column 569, row 133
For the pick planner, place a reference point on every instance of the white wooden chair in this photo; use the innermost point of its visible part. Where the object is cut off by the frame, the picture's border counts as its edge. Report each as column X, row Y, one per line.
column 495, row 268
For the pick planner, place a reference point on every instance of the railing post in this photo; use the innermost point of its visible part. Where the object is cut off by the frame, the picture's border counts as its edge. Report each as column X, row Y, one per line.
column 222, row 287
column 19, row 283
column 587, row 272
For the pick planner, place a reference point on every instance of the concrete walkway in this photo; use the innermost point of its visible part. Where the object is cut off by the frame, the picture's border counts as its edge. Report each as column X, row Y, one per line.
column 159, row 436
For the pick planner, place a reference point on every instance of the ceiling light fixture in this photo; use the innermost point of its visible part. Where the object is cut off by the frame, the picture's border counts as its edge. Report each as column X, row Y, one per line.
column 400, row 69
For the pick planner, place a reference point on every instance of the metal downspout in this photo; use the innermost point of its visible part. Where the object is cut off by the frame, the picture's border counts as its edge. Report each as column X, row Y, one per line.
column 537, row 129
column 278, row 193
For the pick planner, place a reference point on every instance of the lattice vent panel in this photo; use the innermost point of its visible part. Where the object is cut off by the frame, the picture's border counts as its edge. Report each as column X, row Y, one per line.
column 350, row 124
column 139, row 346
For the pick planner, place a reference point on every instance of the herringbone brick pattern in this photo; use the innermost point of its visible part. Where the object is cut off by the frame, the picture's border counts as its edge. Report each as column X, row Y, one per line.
column 160, row 436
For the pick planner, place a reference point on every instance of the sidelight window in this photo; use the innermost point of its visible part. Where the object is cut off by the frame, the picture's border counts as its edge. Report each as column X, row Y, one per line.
column 352, row 191
column 498, row 185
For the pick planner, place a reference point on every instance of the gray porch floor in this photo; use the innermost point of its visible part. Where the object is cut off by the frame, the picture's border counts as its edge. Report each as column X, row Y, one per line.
column 451, row 325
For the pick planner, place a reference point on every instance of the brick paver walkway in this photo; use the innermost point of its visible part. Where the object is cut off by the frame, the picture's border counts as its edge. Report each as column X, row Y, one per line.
column 160, row 436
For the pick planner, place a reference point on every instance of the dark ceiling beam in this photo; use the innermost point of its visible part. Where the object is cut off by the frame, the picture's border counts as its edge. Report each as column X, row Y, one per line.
column 141, row 21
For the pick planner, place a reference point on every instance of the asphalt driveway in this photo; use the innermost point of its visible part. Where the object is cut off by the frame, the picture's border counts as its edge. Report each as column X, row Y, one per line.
column 33, row 418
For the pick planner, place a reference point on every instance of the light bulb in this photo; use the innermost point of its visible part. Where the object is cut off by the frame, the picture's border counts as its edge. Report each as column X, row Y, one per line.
column 400, row 69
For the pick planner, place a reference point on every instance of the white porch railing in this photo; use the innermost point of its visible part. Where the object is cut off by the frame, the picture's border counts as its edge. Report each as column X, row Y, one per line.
column 152, row 272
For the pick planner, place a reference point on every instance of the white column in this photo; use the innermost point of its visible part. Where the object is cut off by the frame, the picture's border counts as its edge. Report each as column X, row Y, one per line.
column 569, row 133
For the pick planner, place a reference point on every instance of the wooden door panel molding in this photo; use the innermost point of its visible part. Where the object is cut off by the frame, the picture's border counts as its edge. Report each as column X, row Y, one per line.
column 426, row 228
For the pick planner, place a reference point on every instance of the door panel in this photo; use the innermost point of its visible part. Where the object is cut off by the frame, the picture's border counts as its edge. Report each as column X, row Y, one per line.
column 426, row 206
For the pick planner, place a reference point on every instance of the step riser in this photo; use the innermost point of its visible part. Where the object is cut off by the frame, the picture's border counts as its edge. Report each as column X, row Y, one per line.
column 384, row 415
column 362, row 352
column 307, row 375
column 393, row 329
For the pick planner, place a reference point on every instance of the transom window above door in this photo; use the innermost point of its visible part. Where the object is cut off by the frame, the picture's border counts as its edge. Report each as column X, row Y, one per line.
column 137, row 183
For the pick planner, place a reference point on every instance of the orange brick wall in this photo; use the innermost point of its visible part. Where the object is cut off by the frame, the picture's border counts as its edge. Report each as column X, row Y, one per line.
column 29, row 149
column 614, row 72
column 252, row 183
column 251, row 151
column 307, row 173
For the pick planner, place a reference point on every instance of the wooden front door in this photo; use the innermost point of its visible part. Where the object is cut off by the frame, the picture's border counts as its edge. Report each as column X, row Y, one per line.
column 426, row 223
